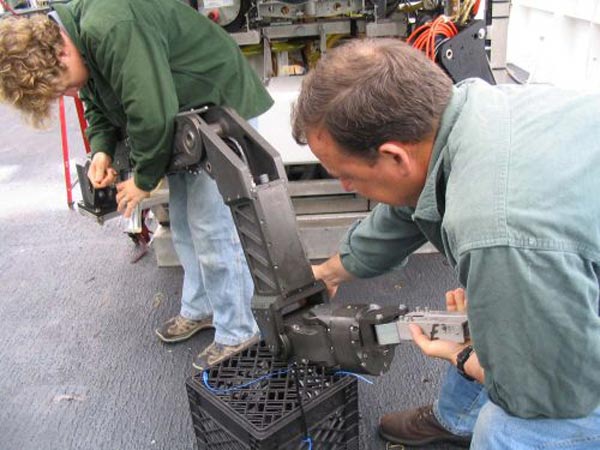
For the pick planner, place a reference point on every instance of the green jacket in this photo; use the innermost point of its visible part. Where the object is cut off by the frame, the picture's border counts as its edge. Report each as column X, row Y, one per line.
column 511, row 199
column 148, row 60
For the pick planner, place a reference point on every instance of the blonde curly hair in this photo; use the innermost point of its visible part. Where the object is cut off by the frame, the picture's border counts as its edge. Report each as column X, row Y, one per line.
column 31, row 71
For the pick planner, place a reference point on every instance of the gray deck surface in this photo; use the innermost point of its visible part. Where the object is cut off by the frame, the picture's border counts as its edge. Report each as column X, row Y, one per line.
column 80, row 366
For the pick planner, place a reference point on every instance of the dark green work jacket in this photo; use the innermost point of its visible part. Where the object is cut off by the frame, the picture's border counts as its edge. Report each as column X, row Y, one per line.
column 148, row 60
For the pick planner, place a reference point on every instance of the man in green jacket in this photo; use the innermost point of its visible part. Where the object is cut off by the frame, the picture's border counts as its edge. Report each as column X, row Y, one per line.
column 504, row 181
column 136, row 64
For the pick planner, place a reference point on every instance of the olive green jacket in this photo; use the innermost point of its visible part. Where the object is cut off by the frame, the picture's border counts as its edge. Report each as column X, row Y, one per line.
column 512, row 200
column 148, row 60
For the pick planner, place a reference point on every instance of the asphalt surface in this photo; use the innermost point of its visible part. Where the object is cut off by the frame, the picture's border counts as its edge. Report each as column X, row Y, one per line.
column 80, row 366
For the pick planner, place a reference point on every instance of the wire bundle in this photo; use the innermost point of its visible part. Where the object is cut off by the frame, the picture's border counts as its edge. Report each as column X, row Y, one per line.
column 467, row 9
column 429, row 36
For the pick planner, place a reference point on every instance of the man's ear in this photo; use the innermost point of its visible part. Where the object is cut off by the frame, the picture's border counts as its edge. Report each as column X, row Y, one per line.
column 397, row 154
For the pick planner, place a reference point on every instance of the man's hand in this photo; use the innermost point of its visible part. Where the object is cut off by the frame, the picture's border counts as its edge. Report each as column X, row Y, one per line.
column 128, row 196
column 455, row 301
column 319, row 273
column 332, row 272
column 101, row 173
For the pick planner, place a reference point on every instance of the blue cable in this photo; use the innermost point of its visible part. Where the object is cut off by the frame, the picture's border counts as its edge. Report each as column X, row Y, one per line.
column 308, row 440
column 360, row 377
column 241, row 386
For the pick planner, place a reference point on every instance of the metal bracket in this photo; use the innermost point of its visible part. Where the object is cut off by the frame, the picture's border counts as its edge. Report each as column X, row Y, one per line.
column 464, row 55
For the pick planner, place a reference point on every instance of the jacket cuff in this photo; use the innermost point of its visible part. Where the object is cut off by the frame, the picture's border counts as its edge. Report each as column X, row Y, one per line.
column 145, row 182
column 103, row 143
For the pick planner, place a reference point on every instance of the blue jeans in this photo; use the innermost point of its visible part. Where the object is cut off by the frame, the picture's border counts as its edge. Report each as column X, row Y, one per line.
column 459, row 402
column 463, row 408
column 216, row 277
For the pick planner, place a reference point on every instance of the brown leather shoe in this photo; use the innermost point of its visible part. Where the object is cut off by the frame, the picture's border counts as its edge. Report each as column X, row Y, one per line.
column 416, row 427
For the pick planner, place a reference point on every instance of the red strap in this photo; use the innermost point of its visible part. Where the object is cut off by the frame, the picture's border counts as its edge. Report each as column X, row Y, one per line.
column 65, row 149
column 7, row 7
column 82, row 123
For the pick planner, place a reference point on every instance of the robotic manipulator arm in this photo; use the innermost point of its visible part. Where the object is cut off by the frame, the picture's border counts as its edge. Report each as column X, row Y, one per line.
column 292, row 308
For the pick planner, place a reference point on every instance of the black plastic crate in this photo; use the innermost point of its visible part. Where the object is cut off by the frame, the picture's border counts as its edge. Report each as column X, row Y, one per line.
column 266, row 414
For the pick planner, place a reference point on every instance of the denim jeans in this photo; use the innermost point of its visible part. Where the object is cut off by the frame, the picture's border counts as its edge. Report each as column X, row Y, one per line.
column 216, row 277
column 463, row 408
column 497, row 430
column 459, row 402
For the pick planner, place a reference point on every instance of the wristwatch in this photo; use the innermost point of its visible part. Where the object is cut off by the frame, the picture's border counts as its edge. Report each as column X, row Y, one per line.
column 461, row 359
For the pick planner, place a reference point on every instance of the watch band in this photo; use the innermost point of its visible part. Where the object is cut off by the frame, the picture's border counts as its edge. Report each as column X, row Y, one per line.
column 461, row 359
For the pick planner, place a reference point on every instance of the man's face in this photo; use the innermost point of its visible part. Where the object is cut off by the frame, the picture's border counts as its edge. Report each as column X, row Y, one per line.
column 383, row 180
column 77, row 73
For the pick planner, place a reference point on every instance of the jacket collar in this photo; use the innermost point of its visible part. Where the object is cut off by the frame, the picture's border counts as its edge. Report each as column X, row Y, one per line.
column 431, row 205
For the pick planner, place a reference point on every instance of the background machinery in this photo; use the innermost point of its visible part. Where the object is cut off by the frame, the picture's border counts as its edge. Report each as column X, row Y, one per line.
column 284, row 39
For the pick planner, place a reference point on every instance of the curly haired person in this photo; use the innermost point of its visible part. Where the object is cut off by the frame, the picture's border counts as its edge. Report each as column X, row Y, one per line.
column 136, row 64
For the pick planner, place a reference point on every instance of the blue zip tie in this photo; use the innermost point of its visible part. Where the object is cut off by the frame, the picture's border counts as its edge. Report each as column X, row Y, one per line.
column 360, row 377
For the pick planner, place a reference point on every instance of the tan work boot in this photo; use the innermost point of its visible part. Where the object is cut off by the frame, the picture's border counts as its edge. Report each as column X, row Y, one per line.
column 416, row 427
column 178, row 328
column 216, row 353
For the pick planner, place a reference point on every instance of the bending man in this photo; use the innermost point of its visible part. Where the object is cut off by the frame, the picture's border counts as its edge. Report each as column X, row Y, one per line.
column 137, row 63
column 503, row 180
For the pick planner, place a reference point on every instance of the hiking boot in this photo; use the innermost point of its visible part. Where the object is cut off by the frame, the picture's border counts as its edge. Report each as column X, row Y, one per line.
column 178, row 328
column 416, row 427
column 216, row 353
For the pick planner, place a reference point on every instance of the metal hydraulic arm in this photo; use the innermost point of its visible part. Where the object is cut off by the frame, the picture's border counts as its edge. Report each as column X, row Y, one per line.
column 292, row 309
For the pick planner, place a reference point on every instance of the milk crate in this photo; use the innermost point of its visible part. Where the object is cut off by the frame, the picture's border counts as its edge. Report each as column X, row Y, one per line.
column 232, row 411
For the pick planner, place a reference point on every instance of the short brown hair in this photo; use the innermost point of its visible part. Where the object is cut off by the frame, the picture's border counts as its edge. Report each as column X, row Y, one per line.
column 371, row 91
column 30, row 67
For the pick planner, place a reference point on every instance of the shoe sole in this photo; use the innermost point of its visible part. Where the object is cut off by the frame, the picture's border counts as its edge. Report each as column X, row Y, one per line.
column 182, row 337
column 248, row 344
column 455, row 440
